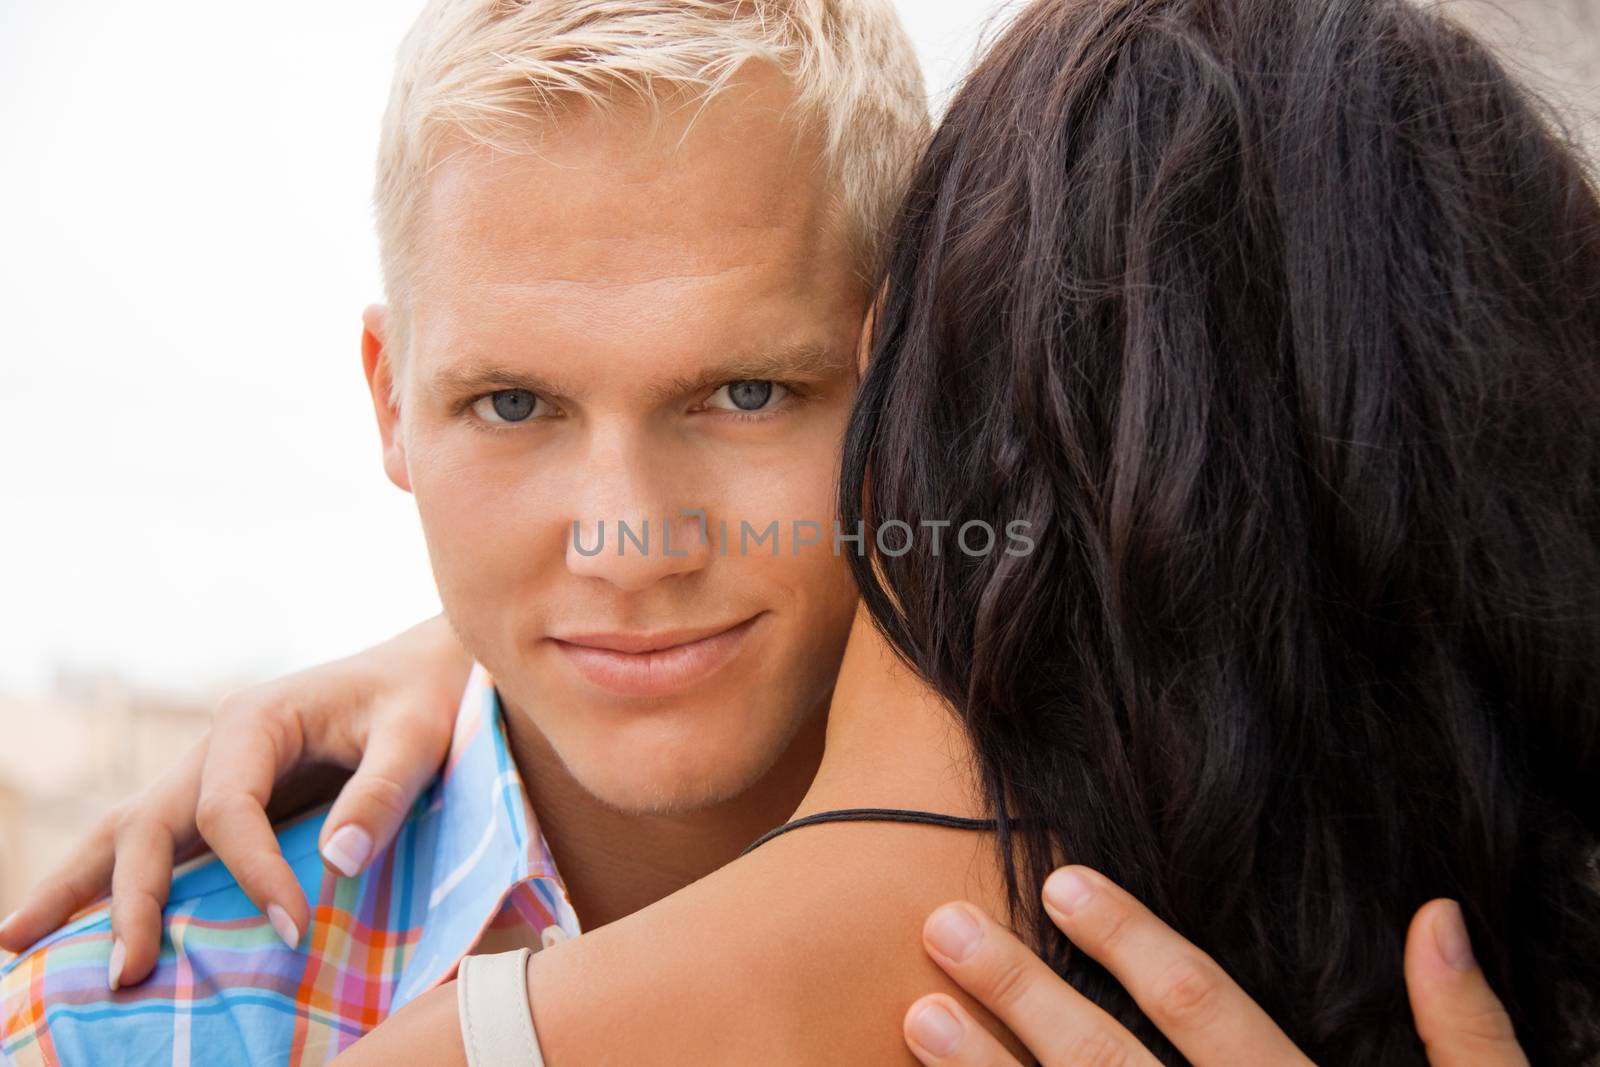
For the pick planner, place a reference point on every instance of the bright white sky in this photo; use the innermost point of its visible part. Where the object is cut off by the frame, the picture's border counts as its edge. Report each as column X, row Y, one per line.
column 190, row 487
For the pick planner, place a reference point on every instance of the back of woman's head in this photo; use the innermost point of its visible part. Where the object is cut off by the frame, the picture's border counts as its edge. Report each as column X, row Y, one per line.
column 1279, row 322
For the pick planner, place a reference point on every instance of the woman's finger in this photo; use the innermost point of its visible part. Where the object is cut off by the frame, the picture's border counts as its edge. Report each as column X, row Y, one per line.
column 139, row 886
column 1461, row 1022
column 1179, row 988
column 941, row 1033
column 1057, row 1023
column 403, row 753
column 255, row 740
column 148, row 836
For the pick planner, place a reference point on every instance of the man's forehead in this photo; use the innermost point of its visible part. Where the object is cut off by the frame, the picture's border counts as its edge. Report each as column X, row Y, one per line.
column 536, row 241
column 731, row 174
column 673, row 311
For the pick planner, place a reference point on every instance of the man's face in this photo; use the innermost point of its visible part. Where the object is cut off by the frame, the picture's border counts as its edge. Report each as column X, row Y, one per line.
column 635, row 322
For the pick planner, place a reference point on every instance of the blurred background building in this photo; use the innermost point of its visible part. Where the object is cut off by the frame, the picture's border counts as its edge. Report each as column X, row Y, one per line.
column 88, row 743
column 190, row 495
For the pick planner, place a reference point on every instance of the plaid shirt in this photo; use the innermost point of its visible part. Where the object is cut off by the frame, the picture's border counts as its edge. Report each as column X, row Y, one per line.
column 227, row 991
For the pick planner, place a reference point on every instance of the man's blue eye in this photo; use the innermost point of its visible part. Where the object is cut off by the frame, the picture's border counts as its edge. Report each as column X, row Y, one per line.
column 747, row 396
column 750, row 396
column 509, row 405
column 514, row 405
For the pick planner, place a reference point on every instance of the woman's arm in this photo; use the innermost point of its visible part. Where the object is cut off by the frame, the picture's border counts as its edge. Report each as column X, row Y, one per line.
column 388, row 712
column 807, row 951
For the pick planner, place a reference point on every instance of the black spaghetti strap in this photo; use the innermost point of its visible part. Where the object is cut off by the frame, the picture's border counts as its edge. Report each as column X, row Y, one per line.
column 926, row 818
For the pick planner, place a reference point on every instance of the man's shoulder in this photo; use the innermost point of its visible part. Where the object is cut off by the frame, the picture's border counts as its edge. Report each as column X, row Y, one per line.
column 223, row 981
column 63, row 976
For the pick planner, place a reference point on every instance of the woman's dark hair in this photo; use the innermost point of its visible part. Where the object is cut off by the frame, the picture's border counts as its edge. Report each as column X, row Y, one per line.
column 1279, row 323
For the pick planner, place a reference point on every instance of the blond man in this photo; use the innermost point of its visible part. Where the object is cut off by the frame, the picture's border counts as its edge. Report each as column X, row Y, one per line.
column 627, row 247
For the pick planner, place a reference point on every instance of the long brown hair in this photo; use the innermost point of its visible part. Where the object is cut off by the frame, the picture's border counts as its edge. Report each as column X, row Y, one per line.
column 1279, row 322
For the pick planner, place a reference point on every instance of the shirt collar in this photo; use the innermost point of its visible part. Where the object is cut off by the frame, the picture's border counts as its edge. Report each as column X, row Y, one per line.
column 478, row 844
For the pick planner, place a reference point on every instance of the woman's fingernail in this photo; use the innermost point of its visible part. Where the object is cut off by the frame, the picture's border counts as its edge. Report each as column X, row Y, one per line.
column 954, row 933
column 935, row 1029
column 1450, row 934
column 283, row 925
column 1067, row 891
column 347, row 850
column 7, row 920
column 119, row 956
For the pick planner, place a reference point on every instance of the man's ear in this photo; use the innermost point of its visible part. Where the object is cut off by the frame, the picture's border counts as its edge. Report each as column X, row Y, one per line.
column 376, row 363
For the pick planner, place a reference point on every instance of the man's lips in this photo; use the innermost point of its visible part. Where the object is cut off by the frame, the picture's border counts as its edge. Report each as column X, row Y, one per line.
column 653, row 665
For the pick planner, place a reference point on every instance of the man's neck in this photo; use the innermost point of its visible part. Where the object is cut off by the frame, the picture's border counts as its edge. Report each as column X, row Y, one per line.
column 615, row 862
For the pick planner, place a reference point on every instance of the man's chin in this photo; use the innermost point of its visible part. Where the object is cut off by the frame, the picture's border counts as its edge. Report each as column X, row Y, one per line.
column 679, row 761
column 643, row 795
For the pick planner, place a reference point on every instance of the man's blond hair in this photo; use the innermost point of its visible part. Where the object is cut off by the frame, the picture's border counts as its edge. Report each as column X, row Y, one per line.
column 490, row 72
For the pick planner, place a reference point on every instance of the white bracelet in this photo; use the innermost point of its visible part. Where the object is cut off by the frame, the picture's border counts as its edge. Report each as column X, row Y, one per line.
column 496, row 1022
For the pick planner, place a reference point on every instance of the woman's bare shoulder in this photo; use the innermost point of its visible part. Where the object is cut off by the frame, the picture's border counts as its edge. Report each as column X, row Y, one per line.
column 807, row 951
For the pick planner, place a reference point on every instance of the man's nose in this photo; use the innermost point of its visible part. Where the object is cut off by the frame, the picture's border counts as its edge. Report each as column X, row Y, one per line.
column 633, row 521
column 634, row 551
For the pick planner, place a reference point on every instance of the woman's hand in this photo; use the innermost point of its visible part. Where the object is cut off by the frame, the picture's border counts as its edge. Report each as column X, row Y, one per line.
column 388, row 712
column 1178, row 987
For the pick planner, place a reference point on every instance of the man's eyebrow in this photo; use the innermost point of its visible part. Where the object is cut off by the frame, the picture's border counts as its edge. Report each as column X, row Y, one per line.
column 474, row 378
column 800, row 364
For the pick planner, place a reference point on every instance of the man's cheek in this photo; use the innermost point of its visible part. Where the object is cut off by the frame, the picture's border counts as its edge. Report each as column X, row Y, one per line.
column 802, row 492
